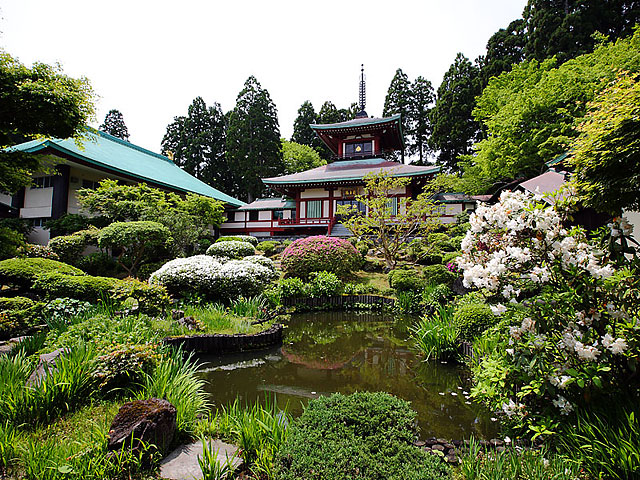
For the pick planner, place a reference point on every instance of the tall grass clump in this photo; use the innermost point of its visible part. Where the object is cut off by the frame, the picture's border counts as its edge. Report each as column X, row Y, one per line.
column 606, row 441
column 175, row 379
column 29, row 345
column 259, row 430
column 435, row 335
column 248, row 307
column 14, row 372
column 209, row 465
column 483, row 464
column 9, row 438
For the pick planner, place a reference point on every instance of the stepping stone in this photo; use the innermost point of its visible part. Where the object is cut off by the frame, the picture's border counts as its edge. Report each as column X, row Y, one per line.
column 182, row 463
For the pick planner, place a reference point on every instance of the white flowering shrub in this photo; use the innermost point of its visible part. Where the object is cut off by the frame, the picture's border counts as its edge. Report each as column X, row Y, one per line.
column 231, row 249
column 212, row 278
column 570, row 332
column 262, row 260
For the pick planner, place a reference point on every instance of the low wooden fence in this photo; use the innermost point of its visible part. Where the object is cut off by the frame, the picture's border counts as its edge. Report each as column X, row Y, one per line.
column 336, row 301
column 221, row 344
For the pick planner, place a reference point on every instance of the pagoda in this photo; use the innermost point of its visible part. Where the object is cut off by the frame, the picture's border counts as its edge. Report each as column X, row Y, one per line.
column 309, row 199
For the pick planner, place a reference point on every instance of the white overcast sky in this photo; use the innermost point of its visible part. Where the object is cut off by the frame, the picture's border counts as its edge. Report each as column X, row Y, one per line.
column 150, row 59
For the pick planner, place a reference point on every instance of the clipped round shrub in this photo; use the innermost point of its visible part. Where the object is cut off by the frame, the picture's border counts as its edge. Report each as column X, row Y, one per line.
column 291, row 287
column 472, row 319
column 405, row 280
column 320, row 253
column 426, row 257
column 17, row 314
column 324, row 284
column 22, row 272
column 240, row 238
column 363, row 435
column 85, row 287
column 208, row 276
column 268, row 247
column 438, row 274
column 231, row 249
column 98, row 263
column 70, row 247
column 438, row 296
column 31, row 250
column 260, row 260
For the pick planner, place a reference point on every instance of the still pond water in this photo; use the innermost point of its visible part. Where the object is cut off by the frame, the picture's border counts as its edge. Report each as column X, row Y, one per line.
column 327, row 352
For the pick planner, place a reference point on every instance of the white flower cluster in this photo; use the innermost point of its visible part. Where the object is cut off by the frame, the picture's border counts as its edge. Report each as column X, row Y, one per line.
column 519, row 238
column 512, row 408
column 231, row 249
column 616, row 346
column 211, row 277
column 262, row 260
column 563, row 405
column 620, row 225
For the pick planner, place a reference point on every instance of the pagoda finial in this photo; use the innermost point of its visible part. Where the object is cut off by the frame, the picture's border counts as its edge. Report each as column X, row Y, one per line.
column 363, row 94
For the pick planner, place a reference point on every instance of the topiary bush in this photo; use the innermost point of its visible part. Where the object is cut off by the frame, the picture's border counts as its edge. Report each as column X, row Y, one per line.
column 11, row 242
column 17, row 314
column 320, row 253
column 240, row 238
column 231, row 249
column 363, row 435
column 438, row 274
column 291, row 287
column 70, row 247
column 22, row 272
column 472, row 319
column 324, row 284
column 31, row 250
column 98, row 263
column 405, row 280
column 264, row 261
column 213, row 278
column 80, row 287
column 427, row 257
column 268, row 247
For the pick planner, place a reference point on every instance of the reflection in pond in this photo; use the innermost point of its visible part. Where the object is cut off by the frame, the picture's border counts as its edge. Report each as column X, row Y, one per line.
column 326, row 352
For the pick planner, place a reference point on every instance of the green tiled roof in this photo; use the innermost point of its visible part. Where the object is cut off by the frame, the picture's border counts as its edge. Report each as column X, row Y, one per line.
column 356, row 122
column 120, row 157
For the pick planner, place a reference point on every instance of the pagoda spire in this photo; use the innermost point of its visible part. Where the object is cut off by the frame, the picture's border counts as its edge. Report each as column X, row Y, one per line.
column 362, row 97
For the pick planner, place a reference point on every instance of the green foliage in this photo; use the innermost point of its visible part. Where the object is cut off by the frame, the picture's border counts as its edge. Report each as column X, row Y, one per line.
column 407, row 301
column 606, row 441
column 298, row 158
column 188, row 218
column 103, row 264
column 471, row 319
column 152, row 299
column 548, row 100
column 80, row 287
column 211, row 468
column 23, row 272
column 302, row 132
column 324, row 284
column 70, row 247
column 363, row 435
column 231, row 249
column 239, row 238
column 253, row 139
column 320, row 253
column 176, row 380
column 31, row 250
column 406, row 280
column 435, row 335
column 67, row 224
column 40, row 100
column 268, row 247
column 17, row 315
column 114, row 125
column 11, row 242
column 61, row 309
column 135, row 240
column 484, row 464
column 438, row 274
column 121, row 365
column 436, row 295
column 291, row 287
column 606, row 154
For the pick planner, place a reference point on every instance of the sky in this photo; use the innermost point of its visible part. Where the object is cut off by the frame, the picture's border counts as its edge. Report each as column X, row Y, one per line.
column 150, row 59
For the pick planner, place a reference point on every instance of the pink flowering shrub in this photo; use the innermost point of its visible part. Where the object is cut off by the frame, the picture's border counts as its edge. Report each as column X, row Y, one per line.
column 570, row 332
column 320, row 253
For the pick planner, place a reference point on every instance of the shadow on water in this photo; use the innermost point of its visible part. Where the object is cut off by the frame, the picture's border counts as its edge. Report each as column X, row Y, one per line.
column 327, row 352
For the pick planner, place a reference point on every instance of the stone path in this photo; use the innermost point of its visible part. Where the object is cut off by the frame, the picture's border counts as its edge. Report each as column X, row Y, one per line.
column 182, row 463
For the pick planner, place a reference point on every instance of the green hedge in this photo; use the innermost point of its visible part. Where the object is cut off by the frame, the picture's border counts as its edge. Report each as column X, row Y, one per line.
column 18, row 314
column 364, row 435
column 22, row 272
column 438, row 274
column 406, row 280
column 240, row 238
column 268, row 247
column 472, row 319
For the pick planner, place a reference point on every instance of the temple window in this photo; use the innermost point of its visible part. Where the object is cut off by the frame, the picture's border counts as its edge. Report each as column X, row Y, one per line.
column 253, row 215
column 358, row 149
column 314, row 209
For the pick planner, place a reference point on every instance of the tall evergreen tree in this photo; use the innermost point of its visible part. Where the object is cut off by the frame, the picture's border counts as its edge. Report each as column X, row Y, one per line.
column 454, row 129
column 329, row 113
column 114, row 125
column 398, row 100
column 253, row 139
column 197, row 144
column 504, row 48
column 302, row 132
column 422, row 99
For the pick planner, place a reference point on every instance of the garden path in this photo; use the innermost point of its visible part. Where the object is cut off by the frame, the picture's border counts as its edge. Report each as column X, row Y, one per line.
column 182, row 463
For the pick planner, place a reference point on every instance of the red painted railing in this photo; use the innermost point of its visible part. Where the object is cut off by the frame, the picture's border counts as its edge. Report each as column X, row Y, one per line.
column 304, row 221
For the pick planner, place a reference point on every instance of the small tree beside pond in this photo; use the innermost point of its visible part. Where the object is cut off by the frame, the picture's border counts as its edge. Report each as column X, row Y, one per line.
column 390, row 225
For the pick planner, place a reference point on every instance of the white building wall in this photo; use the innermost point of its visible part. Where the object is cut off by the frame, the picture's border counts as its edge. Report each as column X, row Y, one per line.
column 314, row 193
column 264, row 215
column 37, row 202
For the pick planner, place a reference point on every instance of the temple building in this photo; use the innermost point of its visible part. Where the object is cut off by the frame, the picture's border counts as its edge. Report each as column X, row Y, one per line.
column 309, row 200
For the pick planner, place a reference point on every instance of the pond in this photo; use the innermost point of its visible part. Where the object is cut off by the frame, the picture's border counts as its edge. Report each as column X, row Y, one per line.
column 346, row 351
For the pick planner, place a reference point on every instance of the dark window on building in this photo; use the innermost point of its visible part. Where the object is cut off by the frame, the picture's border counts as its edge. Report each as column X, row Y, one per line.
column 38, row 222
column 42, row 182
column 359, row 206
column 90, row 184
column 358, row 149
column 277, row 214
column 253, row 215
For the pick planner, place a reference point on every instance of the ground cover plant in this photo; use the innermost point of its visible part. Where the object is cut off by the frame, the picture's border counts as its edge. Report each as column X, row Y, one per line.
column 362, row 435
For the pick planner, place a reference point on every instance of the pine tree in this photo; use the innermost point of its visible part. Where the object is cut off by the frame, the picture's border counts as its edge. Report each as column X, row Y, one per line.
column 504, row 48
column 302, row 132
column 114, row 125
column 422, row 98
column 329, row 113
column 197, row 144
column 398, row 100
column 253, row 139
column 454, row 129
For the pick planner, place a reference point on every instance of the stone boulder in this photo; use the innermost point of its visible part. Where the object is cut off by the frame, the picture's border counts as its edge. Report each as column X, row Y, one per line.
column 46, row 363
column 151, row 421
